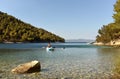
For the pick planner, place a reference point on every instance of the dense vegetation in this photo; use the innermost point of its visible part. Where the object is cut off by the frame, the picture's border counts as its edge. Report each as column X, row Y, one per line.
column 111, row 31
column 15, row 30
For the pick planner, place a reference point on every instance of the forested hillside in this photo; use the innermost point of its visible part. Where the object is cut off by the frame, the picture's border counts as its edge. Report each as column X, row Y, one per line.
column 15, row 30
column 111, row 31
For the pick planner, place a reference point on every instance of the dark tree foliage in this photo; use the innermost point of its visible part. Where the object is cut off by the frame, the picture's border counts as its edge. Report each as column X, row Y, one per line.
column 111, row 31
column 15, row 30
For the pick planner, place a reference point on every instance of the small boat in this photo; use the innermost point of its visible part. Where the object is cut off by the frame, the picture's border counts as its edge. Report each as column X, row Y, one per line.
column 50, row 49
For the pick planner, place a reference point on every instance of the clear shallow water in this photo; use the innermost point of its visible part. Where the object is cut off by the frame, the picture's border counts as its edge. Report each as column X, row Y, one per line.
column 76, row 61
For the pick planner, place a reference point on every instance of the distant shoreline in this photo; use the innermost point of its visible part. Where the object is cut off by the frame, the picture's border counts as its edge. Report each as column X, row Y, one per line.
column 26, row 42
column 76, row 42
column 44, row 42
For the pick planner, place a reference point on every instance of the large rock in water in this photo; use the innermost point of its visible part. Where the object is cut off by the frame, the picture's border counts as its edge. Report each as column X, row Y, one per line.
column 30, row 67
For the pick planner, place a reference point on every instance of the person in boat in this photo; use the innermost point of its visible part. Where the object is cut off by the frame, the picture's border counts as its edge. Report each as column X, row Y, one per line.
column 49, row 45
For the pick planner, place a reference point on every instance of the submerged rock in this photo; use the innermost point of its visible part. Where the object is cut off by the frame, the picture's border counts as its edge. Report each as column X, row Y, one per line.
column 30, row 67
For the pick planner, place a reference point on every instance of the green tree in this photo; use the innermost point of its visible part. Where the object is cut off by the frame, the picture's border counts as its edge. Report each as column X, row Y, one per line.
column 111, row 31
column 13, row 30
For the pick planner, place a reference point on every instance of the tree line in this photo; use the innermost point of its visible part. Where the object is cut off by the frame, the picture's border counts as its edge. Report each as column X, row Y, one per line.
column 15, row 30
column 111, row 31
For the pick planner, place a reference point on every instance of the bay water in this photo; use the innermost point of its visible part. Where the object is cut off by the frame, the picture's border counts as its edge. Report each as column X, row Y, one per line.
column 67, row 61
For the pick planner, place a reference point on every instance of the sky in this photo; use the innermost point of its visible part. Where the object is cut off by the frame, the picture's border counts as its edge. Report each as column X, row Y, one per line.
column 70, row 19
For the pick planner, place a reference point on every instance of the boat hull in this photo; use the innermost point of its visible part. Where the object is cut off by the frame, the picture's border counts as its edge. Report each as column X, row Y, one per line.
column 50, row 49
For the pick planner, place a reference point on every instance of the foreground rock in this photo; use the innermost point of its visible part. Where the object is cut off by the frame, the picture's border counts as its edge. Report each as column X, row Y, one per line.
column 30, row 67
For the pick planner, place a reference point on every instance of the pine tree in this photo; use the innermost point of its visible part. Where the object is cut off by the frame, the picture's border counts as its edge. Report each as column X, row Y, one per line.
column 15, row 30
column 111, row 31
column 116, row 16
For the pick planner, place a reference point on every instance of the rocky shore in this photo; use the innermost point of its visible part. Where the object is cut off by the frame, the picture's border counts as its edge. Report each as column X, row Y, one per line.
column 115, row 43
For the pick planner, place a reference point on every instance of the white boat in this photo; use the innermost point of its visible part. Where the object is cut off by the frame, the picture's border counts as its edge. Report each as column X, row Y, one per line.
column 49, row 48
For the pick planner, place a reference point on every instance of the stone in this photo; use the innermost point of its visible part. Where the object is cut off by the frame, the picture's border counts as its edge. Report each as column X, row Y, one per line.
column 30, row 67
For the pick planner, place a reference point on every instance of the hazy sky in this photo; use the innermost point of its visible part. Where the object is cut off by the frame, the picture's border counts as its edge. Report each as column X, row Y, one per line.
column 70, row 19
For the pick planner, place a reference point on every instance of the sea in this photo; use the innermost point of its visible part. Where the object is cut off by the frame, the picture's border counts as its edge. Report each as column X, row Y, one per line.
column 67, row 61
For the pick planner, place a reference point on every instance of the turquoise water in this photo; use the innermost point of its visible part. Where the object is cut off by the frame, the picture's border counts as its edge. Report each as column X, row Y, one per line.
column 76, row 61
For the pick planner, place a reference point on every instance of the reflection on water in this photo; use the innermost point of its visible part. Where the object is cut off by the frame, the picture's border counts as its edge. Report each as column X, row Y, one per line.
column 113, row 56
column 79, row 62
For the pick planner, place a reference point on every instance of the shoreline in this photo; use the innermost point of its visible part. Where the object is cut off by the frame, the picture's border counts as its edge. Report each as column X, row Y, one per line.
column 111, row 44
column 26, row 42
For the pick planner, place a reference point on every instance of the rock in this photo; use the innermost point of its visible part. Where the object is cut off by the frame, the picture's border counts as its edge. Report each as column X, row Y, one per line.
column 98, row 43
column 30, row 67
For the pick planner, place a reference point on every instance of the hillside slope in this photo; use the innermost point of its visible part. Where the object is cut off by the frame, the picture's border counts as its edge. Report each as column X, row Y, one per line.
column 15, row 30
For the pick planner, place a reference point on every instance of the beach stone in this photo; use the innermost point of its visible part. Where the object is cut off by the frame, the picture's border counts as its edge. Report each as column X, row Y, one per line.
column 30, row 67
column 1, row 71
column 67, row 78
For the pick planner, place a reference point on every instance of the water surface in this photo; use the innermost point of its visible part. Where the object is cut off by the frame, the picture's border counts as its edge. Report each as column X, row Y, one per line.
column 76, row 61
